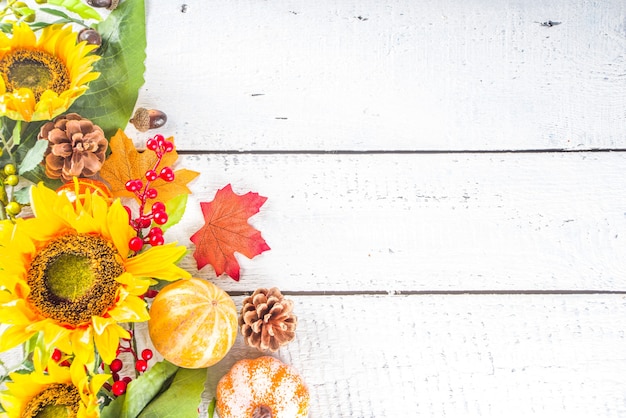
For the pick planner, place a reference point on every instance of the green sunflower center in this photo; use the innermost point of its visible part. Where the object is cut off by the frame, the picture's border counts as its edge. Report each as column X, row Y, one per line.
column 73, row 278
column 56, row 401
column 36, row 70
column 70, row 276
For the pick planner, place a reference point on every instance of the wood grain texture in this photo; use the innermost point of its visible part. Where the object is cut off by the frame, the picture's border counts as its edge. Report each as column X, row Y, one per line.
column 424, row 222
column 399, row 75
column 459, row 356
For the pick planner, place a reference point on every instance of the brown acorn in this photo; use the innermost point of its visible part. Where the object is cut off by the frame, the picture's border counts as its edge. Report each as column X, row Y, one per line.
column 91, row 36
column 145, row 119
column 109, row 4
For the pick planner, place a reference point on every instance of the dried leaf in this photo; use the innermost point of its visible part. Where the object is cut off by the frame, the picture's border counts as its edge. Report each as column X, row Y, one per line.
column 126, row 163
column 226, row 231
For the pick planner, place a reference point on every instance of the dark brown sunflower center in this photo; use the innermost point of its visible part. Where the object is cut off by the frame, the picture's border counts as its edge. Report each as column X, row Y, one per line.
column 73, row 278
column 55, row 401
column 36, row 70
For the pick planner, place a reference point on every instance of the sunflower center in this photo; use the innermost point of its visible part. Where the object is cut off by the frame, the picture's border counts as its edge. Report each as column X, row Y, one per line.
column 36, row 70
column 56, row 401
column 70, row 276
column 73, row 278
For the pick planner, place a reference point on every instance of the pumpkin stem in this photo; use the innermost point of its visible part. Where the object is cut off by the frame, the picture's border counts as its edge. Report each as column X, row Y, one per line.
column 262, row 411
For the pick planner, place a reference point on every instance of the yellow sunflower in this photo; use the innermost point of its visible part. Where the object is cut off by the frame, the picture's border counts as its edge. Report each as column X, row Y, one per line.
column 56, row 392
column 67, row 273
column 41, row 77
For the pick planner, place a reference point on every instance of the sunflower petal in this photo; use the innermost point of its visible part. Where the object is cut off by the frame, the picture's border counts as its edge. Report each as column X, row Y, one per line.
column 13, row 336
column 120, row 232
column 133, row 310
column 159, row 262
column 107, row 337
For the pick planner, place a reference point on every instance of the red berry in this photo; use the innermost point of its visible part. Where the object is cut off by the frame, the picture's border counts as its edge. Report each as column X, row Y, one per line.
column 147, row 354
column 143, row 222
column 156, row 240
column 168, row 146
column 155, row 232
column 133, row 185
column 135, row 244
column 151, row 193
column 119, row 388
column 141, row 366
column 151, row 293
column 167, row 174
column 152, row 144
column 56, row 355
column 116, row 365
column 127, row 379
column 130, row 186
column 159, row 139
column 151, row 175
column 158, row 207
column 160, row 218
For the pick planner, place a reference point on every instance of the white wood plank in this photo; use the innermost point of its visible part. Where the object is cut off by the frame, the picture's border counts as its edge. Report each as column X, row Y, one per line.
column 398, row 74
column 460, row 356
column 425, row 222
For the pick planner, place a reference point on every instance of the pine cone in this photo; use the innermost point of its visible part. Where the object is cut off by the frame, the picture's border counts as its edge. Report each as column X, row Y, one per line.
column 266, row 320
column 76, row 147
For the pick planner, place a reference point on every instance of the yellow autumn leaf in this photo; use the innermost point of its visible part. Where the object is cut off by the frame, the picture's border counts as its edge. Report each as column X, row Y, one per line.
column 127, row 163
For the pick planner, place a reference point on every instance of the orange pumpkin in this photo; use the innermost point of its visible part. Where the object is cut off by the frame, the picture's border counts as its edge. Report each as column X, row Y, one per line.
column 193, row 323
column 263, row 387
column 79, row 187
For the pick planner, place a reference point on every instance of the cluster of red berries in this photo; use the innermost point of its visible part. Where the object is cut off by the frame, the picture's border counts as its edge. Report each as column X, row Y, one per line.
column 57, row 356
column 158, row 214
column 121, row 383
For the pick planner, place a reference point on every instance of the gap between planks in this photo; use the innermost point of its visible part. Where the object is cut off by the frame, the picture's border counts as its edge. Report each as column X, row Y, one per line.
column 440, row 292
column 399, row 152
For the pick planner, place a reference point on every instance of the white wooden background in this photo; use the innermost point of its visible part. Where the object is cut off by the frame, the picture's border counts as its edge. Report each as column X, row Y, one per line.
column 446, row 191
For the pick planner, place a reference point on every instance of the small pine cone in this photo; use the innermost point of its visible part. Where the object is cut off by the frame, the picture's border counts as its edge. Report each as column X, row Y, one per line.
column 266, row 320
column 76, row 147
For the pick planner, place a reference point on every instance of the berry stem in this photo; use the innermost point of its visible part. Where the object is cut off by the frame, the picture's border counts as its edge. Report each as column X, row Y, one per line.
column 144, row 192
column 143, row 196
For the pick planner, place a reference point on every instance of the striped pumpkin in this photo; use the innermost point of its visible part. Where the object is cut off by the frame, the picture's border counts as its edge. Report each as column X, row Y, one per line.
column 263, row 387
column 193, row 323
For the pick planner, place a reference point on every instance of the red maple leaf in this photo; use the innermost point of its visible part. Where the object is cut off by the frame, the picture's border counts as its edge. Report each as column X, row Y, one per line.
column 226, row 231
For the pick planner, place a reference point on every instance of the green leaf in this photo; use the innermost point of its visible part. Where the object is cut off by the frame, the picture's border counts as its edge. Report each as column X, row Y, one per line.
column 33, row 157
column 78, row 7
column 55, row 12
column 17, row 131
column 175, row 210
column 211, row 410
column 22, row 196
column 181, row 399
column 38, row 174
column 140, row 392
column 111, row 98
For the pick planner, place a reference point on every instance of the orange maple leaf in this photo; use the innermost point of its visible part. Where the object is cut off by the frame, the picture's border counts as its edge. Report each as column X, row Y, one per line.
column 226, row 231
column 126, row 163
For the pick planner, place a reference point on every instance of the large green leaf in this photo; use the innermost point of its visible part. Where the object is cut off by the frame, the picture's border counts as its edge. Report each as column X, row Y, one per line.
column 111, row 98
column 181, row 399
column 140, row 392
